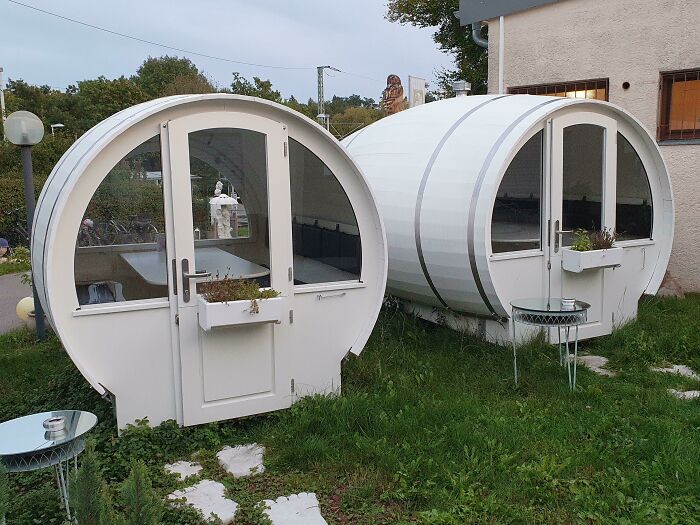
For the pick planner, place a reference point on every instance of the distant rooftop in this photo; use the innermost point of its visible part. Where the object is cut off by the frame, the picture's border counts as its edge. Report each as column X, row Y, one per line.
column 471, row 11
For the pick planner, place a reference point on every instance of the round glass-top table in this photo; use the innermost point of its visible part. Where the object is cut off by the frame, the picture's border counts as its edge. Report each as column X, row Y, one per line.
column 47, row 439
column 553, row 312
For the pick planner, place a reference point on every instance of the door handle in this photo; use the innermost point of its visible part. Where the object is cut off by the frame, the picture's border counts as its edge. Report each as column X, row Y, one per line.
column 558, row 235
column 186, row 276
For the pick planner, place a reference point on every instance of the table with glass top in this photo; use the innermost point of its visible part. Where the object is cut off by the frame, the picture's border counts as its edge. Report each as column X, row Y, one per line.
column 562, row 314
column 49, row 439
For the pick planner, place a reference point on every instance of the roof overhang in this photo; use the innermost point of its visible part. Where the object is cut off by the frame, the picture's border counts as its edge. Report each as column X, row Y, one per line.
column 471, row 11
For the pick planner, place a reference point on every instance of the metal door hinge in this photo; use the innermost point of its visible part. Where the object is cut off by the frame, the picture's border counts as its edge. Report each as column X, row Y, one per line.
column 549, row 265
column 291, row 385
column 290, row 274
column 291, row 316
column 177, row 319
column 285, row 148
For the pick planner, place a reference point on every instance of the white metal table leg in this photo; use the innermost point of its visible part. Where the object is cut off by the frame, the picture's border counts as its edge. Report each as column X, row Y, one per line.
column 568, row 356
column 561, row 363
column 515, row 354
column 575, row 355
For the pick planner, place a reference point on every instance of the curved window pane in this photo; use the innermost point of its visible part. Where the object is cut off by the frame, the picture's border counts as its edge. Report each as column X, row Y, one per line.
column 584, row 147
column 516, row 221
column 120, row 247
column 633, row 205
column 325, row 235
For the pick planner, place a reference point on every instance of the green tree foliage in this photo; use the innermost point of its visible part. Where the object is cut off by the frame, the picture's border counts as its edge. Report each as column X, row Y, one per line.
column 142, row 504
column 4, row 492
column 88, row 494
column 168, row 75
column 257, row 88
column 471, row 61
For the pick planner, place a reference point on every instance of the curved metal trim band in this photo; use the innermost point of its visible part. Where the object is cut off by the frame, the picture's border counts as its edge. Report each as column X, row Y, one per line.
column 475, row 195
column 421, row 191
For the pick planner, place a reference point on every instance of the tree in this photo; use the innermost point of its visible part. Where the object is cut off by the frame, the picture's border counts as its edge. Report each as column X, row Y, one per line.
column 142, row 504
column 156, row 75
column 98, row 99
column 258, row 88
column 88, row 494
column 471, row 61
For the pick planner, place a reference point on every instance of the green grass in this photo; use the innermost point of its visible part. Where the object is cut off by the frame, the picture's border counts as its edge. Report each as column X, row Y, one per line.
column 13, row 267
column 430, row 429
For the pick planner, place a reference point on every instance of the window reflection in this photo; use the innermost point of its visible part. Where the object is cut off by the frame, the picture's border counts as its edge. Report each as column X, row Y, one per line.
column 516, row 220
column 633, row 202
column 584, row 147
column 325, row 234
column 228, row 172
column 120, row 246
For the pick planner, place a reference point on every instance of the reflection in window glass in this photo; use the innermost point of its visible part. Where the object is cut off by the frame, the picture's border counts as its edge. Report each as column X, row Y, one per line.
column 633, row 205
column 516, row 221
column 120, row 247
column 228, row 170
column 325, row 235
column 584, row 146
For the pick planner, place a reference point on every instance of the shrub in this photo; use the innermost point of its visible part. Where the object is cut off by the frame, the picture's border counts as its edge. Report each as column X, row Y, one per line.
column 142, row 504
column 228, row 289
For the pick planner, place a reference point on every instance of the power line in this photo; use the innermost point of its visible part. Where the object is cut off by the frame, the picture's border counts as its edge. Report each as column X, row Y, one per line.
column 181, row 50
column 151, row 42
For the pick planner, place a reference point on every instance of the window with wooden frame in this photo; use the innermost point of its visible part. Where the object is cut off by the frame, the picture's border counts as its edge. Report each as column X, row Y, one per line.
column 595, row 89
column 679, row 106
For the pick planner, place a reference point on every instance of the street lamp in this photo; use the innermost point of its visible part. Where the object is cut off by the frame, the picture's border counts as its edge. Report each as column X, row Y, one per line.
column 56, row 126
column 25, row 129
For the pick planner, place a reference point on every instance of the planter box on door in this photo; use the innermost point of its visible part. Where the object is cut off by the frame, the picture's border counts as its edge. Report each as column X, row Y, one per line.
column 576, row 262
column 243, row 312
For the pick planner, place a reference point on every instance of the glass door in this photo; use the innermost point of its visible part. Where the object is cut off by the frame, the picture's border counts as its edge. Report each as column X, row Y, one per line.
column 231, row 209
column 582, row 198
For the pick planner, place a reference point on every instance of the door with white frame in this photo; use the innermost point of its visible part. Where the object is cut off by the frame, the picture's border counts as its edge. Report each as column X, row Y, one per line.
column 582, row 186
column 230, row 217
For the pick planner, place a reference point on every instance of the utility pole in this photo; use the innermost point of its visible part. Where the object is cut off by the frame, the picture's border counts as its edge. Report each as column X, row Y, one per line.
column 322, row 117
column 2, row 104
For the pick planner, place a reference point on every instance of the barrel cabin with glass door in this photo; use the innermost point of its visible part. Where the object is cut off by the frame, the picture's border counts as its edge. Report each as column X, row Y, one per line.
column 480, row 194
column 191, row 189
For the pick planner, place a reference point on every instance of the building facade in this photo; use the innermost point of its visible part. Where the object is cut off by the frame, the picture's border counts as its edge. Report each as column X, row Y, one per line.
column 643, row 55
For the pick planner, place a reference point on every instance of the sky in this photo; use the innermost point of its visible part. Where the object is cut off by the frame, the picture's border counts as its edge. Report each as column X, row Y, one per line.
column 353, row 36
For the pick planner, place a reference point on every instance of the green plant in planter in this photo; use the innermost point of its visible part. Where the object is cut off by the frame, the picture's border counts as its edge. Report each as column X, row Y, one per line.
column 229, row 289
column 581, row 241
column 602, row 239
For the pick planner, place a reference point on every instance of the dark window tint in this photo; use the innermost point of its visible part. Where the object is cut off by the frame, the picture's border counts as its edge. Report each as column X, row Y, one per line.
column 325, row 234
column 633, row 202
column 516, row 221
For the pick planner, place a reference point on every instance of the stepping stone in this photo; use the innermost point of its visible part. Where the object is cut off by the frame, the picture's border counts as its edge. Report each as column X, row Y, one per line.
column 596, row 363
column 681, row 370
column 184, row 469
column 297, row 509
column 207, row 496
column 243, row 460
column 686, row 396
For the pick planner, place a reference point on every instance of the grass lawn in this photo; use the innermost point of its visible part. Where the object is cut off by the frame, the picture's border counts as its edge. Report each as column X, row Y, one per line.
column 430, row 429
column 13, row 267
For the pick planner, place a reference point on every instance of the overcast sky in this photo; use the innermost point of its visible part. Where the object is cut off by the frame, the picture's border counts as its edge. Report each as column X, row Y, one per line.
column 352, row 35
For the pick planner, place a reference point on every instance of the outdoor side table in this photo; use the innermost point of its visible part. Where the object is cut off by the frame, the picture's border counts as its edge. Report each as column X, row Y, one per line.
column 26, row 445
column 551, row 313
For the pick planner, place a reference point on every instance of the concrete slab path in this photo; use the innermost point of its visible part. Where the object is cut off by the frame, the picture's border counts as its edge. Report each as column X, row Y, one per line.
column 11, row 291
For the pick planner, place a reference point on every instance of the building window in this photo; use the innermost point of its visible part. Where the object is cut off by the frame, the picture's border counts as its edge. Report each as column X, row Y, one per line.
column 680, row 105
column 596, row 89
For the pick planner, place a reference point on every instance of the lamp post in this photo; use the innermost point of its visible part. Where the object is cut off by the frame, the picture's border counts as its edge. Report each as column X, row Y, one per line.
column 25, row 129
column 56, row 126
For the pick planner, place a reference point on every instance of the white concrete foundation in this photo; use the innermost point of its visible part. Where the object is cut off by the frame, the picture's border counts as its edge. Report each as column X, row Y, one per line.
column 297, row 509
column 207, row 496
column 243, row 460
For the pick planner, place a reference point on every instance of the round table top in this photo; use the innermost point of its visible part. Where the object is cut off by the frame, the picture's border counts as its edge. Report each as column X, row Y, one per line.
column 553, row 304
column 27, row 434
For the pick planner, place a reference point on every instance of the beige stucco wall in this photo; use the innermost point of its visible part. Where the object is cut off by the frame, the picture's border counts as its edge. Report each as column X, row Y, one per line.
column 623, row 40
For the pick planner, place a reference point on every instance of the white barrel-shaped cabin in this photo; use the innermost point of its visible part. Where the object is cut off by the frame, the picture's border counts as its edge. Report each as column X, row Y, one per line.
column 479, row 195
column 147, row 203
